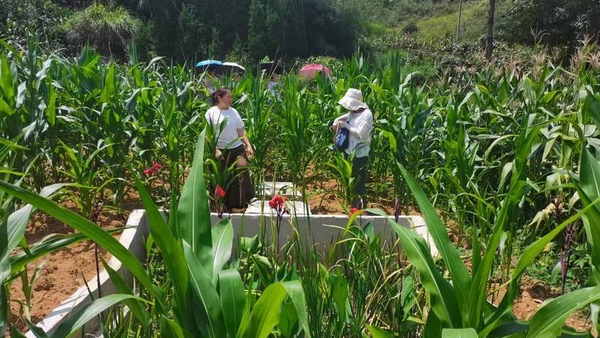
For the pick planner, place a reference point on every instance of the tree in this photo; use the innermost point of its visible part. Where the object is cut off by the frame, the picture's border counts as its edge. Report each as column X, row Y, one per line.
column 165, row 15
column 556, row 22
column 266, row 28
column 108, row 29
column 489, row 46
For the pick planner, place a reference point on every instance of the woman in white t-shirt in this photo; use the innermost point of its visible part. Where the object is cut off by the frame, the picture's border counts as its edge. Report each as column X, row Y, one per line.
column 233, row 146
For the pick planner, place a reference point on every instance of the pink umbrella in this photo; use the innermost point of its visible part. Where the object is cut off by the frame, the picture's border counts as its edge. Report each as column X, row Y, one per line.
column 311, row 70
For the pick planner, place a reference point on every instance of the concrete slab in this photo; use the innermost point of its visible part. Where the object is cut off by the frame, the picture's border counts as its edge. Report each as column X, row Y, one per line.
column 262, row 207
column 321, row 231
column 280, row 188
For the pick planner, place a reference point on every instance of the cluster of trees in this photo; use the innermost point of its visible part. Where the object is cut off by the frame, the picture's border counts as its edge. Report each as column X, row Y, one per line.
column 189, row 30
column 550, row 22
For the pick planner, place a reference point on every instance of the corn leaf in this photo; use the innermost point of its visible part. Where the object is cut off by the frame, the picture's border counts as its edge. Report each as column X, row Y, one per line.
column 170, row 329
column 83, row 225
column 77, row 320
column 377, row 332
column 459, row 333
column 526, row 259
column 134, row 304
column 193, row 214
column 460, row 275
column 441, row 294
column 478, row 300
column 550, row 317
column 173, row 257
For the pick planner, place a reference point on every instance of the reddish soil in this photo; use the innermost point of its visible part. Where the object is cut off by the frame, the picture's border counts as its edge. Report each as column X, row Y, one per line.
column 534, row 293
column 64, row 271
column 61, row 272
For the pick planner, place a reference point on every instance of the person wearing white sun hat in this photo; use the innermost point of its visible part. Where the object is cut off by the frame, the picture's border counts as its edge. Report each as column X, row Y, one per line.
column 359, row 122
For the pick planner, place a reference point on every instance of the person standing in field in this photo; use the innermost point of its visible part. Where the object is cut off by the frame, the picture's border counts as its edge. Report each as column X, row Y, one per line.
column 359, row 122
column 233, row 147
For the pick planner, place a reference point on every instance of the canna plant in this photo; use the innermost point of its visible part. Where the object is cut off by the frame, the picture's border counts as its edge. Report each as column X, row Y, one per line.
column 194, row 255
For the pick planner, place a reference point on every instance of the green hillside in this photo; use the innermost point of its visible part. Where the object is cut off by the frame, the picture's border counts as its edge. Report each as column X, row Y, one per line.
column 432, row 20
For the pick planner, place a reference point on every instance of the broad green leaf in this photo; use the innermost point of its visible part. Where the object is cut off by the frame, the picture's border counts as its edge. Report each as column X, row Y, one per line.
column 135, row 305
column 17, row 221
column 6, row 79
column 588, row 189
column 170, row 329
column 108, row 88
column 77, row 320
column 458, row 271
column 377, row 332
column 441, row 294
column 4, row 306
column 513, row 328
column 204, row 289
column 589, row 186
column 548, row 321
column 36, row 330
column 233, row 298
column 526, row 259
column 591, row 108
column 5, row 108
column 47, row 245
column 193, row 213
column 477, row 295
column 340, row 294
column 265, row 312
column 459, row 333
column 86, row 227
column 222, row 237
column 173, row 256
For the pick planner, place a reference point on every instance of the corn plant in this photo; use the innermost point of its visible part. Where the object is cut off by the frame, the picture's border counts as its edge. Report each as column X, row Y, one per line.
column 451, row 315
column 299, row 132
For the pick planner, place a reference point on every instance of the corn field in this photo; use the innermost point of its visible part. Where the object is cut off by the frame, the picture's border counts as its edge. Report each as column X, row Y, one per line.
column 506, row 154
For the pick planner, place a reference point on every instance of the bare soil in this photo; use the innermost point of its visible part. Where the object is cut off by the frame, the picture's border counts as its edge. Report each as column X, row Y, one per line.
column 61, row 272
column 66, row 270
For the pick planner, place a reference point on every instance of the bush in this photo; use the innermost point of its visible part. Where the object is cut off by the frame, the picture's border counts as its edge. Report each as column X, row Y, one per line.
column 108, row 29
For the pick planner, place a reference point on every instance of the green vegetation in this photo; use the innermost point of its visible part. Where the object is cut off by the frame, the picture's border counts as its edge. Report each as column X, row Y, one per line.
column 501, row 156
column 482, row 152
column 250, row 30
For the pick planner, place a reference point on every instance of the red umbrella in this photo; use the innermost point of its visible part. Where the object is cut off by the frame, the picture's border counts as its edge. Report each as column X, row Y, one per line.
column 311, row 70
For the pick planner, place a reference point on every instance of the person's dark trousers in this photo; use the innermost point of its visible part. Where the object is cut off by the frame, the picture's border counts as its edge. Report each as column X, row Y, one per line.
column 359, row 173
column 239, row 190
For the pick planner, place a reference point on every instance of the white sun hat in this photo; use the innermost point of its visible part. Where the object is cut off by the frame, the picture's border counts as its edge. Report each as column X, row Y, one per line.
column 353, row 100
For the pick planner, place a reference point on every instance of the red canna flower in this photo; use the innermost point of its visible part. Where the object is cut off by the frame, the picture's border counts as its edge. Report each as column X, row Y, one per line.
column 219, row 191
column 148, row 171
column 354, row 210
column 276, row 202
column 156, row 166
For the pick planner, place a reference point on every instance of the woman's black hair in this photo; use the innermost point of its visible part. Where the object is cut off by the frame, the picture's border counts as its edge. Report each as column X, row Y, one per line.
column 214, row 97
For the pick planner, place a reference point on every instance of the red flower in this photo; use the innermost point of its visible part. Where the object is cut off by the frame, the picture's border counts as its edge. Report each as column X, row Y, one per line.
column 276, row 202
column 219, row 191
column 354, row 210
column 148, row 171
column 156, row 166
